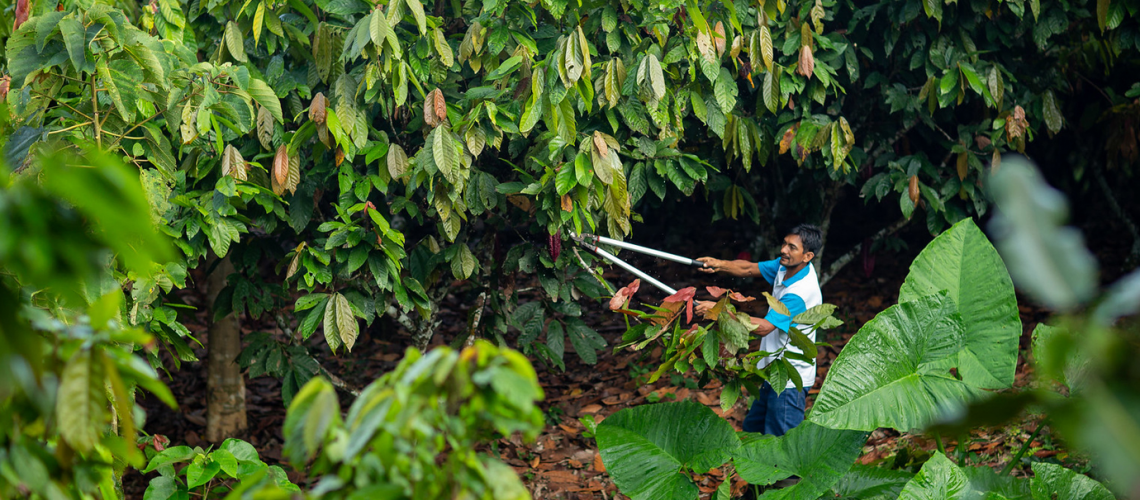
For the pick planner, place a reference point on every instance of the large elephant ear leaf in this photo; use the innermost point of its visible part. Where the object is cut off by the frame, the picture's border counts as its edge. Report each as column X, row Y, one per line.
column 818, row 455
column 1053, row 481
column 865, row 482
column 939, row 479
column 646, row 448
column 993, row 486
column 897, row 371
column 964, row 263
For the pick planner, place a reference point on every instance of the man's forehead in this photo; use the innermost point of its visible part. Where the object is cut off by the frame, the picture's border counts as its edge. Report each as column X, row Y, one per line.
column 794, row 239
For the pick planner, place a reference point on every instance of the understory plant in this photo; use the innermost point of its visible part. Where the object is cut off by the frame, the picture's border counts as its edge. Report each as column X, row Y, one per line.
column 719, row 349
column 415, row 432
column 234, row 465
column 950, row 341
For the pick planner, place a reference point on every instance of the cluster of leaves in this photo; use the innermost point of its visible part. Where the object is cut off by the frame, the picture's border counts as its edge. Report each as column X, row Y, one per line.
column 67, row 354
column 413, row 432
column 720, row 343
column 233, row 467
column 952, row 337
column 645, row 447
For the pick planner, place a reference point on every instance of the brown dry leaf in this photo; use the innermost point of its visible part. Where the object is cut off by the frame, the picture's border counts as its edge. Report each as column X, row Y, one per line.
column 600, row 144
column 963, row 166
column 982, row 141
column 5, row 85
column 807, row 62
column 567, row 203
column 429, row 110
column 719, row 39
column 574, row 463
column 318, row 111
column 786, row 141
column 569, row 430
column 1015, row 123
column 281, row 165
column 598, row 464
column 590, row 409
column 520, row 201
column 707, row 400
column 339, row 156
column 912, row 189
column 995, row 162
column 612, row 400
column 534, row 463
column 435, row 108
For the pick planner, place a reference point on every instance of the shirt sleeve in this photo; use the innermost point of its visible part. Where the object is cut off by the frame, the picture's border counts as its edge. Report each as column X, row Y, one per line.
column 795, row 305
column 769, row 268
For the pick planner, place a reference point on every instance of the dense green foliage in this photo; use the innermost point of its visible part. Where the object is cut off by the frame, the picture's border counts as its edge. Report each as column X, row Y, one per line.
column 918, row 363
column 67, row 355
column 412, row 433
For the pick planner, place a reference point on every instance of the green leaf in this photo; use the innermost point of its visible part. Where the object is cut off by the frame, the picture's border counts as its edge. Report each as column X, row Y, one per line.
column 417, row 9
column 1052, row 112
column 657, row 78
column 258, row 22
column 445, row 154
column 725, row 91
column 200, row 472
column 818, row 455
column 74, row 37
column 161, row 488
column 234, row 42
column 1054, row 481
column 332, row 326
column 771, row 91
column 1049, row 261
column 867, row 482
column 265, row 96
column 646, row 448
column 565, row 180
column 346, row 324
column 113, row 89
column 939, row 479
column 585, row 340
column 463, row 264
column 226, row 461
column 896, row 371
column 814, row 315
column 79, row 406
column 962, row 262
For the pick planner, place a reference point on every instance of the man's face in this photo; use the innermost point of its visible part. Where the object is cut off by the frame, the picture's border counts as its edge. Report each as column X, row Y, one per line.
column 792, row 251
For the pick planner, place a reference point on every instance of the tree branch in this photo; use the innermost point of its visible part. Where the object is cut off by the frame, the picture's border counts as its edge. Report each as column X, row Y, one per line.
column 846, row 258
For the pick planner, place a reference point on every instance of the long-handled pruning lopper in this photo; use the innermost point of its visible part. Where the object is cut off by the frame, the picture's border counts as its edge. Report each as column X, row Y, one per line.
column 591, row 242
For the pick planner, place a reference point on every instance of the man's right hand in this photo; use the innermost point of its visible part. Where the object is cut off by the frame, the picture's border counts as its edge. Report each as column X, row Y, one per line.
column 711, row 265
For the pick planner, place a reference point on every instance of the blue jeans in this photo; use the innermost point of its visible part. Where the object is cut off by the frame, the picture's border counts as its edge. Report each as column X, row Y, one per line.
column 776, row 414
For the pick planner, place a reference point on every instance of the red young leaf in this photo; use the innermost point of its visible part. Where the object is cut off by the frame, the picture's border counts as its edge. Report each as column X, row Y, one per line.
column 715, row 291
column 685, row 295
column 737, row 296
column 23, row 9
column 622, row 296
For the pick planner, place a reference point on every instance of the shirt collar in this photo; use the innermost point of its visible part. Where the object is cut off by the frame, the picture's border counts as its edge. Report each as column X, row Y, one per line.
column 786, row 281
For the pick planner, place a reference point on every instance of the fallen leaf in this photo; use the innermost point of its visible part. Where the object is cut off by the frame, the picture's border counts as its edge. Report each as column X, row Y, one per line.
column 574, row 463
column 590, row 409
column 598, row 464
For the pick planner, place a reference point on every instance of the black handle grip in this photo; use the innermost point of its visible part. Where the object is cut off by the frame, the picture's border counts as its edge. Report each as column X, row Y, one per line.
column 697, row 263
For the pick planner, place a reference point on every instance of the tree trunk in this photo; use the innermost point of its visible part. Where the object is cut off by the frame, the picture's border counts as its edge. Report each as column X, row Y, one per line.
column 225, row 385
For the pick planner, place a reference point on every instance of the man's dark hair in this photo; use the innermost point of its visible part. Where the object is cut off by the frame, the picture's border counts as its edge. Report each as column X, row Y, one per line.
column 811, row 236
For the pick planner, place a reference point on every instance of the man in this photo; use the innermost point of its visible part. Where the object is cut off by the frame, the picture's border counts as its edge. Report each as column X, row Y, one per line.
column 795, row 284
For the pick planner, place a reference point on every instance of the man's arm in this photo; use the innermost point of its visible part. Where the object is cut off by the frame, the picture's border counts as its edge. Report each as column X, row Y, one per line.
column 763, row 326
column 738, row 268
